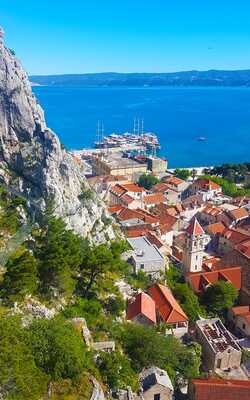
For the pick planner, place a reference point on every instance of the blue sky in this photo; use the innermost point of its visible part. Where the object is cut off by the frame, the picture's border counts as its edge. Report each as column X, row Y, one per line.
column 77, row 36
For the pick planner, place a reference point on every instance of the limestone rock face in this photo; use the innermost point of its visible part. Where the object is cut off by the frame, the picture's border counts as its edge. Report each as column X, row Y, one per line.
column 32, row 161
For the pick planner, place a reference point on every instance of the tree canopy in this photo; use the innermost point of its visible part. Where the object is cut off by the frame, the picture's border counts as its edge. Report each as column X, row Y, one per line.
column 57, row 348
column 218, row 297
column 147, row 181
column 182, row 173
column 20, row 377
column 146, row 347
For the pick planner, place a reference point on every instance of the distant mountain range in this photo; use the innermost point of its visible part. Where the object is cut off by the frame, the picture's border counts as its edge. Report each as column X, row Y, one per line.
column 186, row 78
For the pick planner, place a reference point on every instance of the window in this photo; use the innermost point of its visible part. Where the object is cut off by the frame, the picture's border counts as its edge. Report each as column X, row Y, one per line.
column 218, row 365
column 142, row 266
column 157, row 396
column 196, row 257
column 243, row 326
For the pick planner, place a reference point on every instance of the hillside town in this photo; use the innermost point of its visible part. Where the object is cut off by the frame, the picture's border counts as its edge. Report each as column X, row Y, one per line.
column 192, row 226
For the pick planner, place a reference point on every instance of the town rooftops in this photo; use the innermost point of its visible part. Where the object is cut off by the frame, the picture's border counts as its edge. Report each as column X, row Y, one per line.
column 206, row 184
column 212, row 210
column 220, row 389
column 168, row 308
column 195, row 229
column 154, row 198
column 216, row 228
column 133, row 187
column 217, row 336
column 235, row 235
column 174, row 181
column 200, row 280
column 244, row 248
column 152, row 376
column 142, row 304
column 144, row 251
column 243, row 311
column 238, row 214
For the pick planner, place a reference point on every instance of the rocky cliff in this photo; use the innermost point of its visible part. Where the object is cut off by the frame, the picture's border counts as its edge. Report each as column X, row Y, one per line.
column 32, row 161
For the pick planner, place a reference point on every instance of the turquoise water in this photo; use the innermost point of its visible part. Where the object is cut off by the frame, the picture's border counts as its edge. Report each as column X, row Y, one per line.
column 177, row 115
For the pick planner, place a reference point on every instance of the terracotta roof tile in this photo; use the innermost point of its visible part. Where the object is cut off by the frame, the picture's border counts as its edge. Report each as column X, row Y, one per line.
column 238, row 213
column 211, row 210
column 115, row 209
column 215, row 228
column 169, row 309
column 173, row 180
column 220, row 389
column 142, row 304
column 133, row 187
column 199, row 280
column 154, row 198
column 235, row 235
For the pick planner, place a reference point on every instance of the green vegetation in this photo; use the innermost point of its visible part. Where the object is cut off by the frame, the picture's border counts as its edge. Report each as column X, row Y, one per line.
column 147, row 181
column 232, row 172
column 58, row 252
column 182, row 173
column 57, row 348
column 218, row 297
column 21, row 277
column 228, row 188
column 116, row 371
column 20, row 377
column 86, row 195
column 145, row 347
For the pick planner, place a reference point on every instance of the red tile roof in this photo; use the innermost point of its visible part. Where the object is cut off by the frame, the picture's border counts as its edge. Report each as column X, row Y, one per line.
column 133, row 187
column 211, row 263
column 118, row 190
column 173, row 180
column 235, row 235
column 241, row 310
column 142, row 304
column 153, row 239
column 217, row 227
column 115, row 209
column 154, row 198
column 160, row 187
column 211, row 210
column 199, row 280
column 136, row 232
column 238, row 213
column 168, row 308
column 126, row 198
column 244, row 248
column 194, row 228
column 206, row 184
column 220, row 389
column 126, row 214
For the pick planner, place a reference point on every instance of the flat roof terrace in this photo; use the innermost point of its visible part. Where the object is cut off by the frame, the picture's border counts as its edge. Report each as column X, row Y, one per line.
column 116, row 160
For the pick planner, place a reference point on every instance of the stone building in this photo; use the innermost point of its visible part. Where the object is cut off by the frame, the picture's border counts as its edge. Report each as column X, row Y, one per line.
column 155, row 384
column 193, row 251
column 220, row 350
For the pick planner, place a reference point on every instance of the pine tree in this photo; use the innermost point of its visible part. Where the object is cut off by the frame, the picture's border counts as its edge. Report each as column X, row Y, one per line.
column 58, row 251
column 21, row 277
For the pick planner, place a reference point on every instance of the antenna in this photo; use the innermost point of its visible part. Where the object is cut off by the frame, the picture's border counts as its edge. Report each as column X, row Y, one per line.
column 134, row 126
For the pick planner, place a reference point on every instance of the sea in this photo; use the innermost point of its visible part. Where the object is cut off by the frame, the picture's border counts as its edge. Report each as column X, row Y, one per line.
column 180, row 116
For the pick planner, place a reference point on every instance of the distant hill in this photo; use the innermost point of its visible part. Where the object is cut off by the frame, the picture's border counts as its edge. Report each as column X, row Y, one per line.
column 186, row 78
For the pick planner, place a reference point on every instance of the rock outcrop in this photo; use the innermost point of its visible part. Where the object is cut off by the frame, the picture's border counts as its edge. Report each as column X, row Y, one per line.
column 32, row 160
